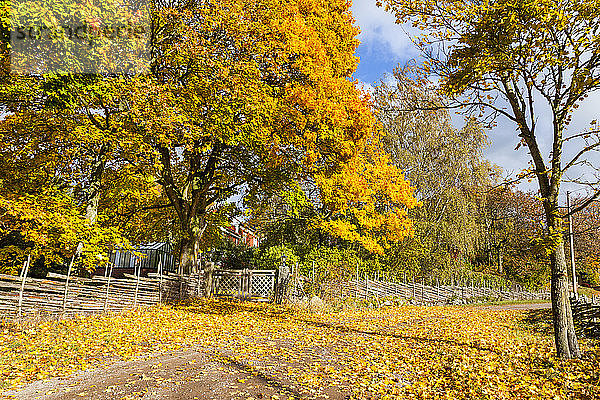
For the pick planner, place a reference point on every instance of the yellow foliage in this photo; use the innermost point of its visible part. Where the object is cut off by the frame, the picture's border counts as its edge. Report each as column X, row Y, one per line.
column 401, row 352
column 371, row 198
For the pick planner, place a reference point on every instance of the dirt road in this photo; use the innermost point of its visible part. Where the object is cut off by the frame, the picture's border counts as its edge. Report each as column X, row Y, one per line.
column 518, row 306
column 185, row 374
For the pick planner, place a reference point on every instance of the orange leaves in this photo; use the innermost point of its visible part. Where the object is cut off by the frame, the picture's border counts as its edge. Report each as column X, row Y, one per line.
column 391, row 352
column 241, row 94
column 371, row 199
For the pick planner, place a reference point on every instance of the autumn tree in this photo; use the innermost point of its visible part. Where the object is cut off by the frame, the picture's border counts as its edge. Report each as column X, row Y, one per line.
column 52, row 181
column 444, row 164
column 61, row 125
column 245, row 97
column 527, row 62
column 240, row 98
column 586, row 225
column 39, row 213
column 513, row 221
column 364, row 206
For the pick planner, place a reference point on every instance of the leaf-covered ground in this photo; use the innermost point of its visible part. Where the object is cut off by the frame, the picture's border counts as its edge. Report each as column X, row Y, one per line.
column 402, row 352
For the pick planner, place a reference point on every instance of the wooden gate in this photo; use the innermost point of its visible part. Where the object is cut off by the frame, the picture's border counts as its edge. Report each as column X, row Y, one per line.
column 245, row 284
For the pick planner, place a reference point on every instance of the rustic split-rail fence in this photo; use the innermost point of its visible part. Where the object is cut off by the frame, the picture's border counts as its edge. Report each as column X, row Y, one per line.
column 57, row 295
column 423, row 294
column 24, row 296
column 586, row 313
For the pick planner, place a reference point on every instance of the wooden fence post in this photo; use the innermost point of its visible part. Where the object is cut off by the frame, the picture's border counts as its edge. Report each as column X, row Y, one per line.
column 160, row 281
column 248, row 293
column 24, row 273
column 209, row 271
column 198, row 283
column 357, row 287
column 108, row 288
column 180, row 283
column 283, row 276
column 67, row 282
column 313, row 278
column 137, row 284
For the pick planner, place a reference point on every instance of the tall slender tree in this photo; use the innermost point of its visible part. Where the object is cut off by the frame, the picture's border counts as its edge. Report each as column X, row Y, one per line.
column 445, row 165
column 530, row 62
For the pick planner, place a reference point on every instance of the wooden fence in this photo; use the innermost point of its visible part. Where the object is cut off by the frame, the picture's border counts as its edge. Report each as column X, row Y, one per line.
column 258, row 285
column 418, row 293
column 586, row 314
column 57, row 295
column 31, row 297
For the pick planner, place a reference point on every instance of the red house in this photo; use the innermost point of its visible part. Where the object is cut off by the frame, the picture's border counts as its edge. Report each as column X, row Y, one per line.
column 239, row 233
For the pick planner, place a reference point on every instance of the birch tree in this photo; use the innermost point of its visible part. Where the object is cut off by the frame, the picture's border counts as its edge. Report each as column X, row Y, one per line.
column 528, row 62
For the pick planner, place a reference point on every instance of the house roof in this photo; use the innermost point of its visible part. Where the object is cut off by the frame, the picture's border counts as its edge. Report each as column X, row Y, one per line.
column 152, row 246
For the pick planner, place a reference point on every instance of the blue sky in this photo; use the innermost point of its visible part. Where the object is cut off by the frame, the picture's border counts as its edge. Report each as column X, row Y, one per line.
column 384, row 45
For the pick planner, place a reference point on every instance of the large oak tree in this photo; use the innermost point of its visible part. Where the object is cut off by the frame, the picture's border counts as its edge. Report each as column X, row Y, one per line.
column 240, row 98
column 260, row 96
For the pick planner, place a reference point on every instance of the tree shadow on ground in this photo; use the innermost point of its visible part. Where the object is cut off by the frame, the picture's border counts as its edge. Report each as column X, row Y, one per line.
column 231, row 306
column 291, row 392
column 347, row 329
column 540, row 321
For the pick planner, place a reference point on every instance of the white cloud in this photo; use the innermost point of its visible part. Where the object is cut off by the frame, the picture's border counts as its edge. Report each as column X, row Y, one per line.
column 504, row 139
column 381, row 34
column 379, row 26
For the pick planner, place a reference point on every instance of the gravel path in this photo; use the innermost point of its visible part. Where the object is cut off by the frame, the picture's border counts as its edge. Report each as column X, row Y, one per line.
column 519, row 306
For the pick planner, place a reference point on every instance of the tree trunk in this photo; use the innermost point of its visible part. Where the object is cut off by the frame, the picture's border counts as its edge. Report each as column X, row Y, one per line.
column 549, row 180
column 189, row 246
column 564, row 330
column 500, row 266
column 186, row 254
column 93, row 192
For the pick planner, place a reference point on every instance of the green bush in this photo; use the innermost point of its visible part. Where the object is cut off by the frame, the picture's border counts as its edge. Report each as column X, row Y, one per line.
column 234, row 256
column 589, row 272
column 272, row 257
column 336, row 264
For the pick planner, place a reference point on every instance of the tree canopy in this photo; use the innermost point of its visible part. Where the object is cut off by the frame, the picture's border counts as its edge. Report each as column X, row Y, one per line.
column 240, row 99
